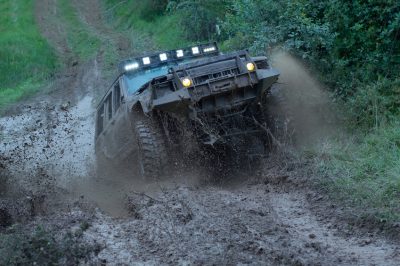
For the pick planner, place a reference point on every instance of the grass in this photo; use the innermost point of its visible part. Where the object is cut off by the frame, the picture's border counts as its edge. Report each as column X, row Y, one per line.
column 80, row 40
column 162, row 30
column 364, row 173
column 27, row 60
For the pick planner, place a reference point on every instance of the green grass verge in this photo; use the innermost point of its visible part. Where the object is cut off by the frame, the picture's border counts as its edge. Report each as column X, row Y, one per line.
column 164, row 31
column 365, row 173
column 27, row 60
column 80, row 40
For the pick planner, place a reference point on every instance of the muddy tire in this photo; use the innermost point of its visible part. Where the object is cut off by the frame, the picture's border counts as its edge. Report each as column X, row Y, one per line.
column 152, row 155
column 279, row 115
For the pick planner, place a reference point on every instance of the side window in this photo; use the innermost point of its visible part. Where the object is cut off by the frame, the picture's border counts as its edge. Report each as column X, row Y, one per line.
column 108, row 103
column 117, row 97
column 100, row 119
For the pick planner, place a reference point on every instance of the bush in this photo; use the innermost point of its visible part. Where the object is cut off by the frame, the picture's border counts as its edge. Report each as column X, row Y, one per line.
column 150, row 9
column 199, row 18
column 374, row 105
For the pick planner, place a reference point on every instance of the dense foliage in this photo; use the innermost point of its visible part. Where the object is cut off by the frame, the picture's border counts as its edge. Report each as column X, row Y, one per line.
column 199, row 18
column 147, row 10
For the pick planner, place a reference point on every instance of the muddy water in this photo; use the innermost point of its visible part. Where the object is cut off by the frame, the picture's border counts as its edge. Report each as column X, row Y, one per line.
column 314, row 116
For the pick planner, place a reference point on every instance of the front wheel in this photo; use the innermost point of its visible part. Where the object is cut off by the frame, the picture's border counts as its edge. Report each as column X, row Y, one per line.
column 152, row 155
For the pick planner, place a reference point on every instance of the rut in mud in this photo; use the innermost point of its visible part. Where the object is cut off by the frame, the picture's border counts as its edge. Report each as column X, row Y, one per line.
column 49, row 156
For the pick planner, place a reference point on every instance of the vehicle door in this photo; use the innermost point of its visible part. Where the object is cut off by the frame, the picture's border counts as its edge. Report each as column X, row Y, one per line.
column 99, row 141
column 121, row 130
column 107, row 131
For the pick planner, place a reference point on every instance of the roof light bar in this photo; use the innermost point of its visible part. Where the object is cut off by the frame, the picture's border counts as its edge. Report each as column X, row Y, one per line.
column 131, row 66
column 146, row 60
column 195, row 50
column 209, row 49
column 166, row 57
column 163, row 57
column 179, row 53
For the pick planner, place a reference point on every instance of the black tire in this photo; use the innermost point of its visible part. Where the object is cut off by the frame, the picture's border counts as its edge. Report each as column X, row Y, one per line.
column 152, row 154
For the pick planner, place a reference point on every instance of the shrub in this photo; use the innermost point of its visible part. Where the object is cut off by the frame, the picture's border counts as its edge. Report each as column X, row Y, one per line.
column 149, row 9
column 199, row 18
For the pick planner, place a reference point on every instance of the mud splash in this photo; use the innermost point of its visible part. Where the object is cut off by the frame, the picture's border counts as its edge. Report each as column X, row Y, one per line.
column 314, row 114
column 50, row 141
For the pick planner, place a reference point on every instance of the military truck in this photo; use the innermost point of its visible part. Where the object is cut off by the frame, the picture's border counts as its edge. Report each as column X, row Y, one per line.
column 184, row 102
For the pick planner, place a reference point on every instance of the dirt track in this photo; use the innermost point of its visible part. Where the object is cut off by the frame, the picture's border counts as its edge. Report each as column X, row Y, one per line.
column 48, row 150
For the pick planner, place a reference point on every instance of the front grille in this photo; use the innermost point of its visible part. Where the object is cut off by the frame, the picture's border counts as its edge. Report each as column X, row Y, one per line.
column 216, row 75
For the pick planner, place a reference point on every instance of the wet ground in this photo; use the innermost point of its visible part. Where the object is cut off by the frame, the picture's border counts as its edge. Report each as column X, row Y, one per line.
column 275, row 218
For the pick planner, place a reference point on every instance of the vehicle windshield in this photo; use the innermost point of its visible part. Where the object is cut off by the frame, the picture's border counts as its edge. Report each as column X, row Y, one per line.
column 136, row 80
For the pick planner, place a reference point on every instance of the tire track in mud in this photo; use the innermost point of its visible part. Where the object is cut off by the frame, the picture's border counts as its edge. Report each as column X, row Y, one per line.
column 48, row 19
column 250, row 223
column 314, row 235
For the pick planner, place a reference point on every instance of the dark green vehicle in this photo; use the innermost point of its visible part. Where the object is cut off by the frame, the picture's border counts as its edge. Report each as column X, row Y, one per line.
column 185, row 102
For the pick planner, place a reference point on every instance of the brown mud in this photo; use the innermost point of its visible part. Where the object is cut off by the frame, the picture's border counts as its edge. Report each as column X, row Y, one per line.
column 47, row 155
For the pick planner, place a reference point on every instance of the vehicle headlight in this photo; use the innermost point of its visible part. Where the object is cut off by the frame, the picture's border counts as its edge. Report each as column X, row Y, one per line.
column 250, row 67
column 186, row 82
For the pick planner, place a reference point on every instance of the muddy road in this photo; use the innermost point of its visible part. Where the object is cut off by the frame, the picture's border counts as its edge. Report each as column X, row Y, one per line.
column 47, row 153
